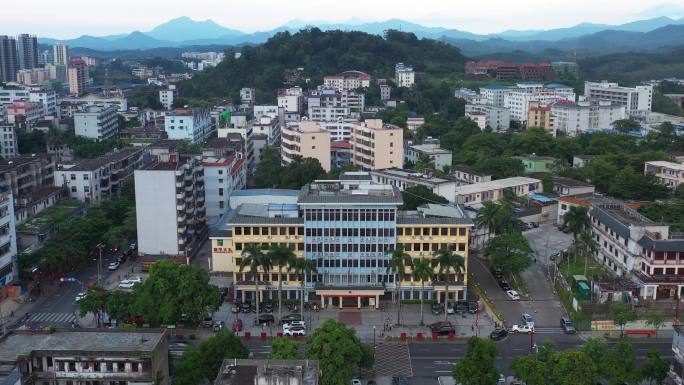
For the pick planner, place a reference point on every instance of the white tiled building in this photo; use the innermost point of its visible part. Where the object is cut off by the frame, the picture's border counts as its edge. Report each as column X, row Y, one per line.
column 495, row 117
column 97, row 123
column 404, row 75
column 9, row 146
column 572, row 119
column 348, row 80
column 518, row 99
column 193, row 124
column 8, row 242
column 220, row 184
column 668, row 173
column 637, row 100
column 478, row 193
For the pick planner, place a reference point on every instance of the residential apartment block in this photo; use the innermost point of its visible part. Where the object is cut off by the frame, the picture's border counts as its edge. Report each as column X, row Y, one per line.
column 467, row 175
column 88, row 356
column 347, row 227
column 497, row 118
column 637, row 100
column 9, row 145
column 475, row 194
column 24, row 174
column 8, row 244
column 668, row 173
column 222, row 176
column 539, row 116
column 9, row 64
column 377, row 145
column 306, row 139
column 572, row 119
column 97, row 123
column 347, row 80
column 102, row 177
column 291, row 100
column 518, row 98
column 170, row 206
column 193, row 124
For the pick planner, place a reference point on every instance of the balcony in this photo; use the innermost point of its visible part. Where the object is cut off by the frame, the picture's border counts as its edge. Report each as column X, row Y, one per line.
column 189, row 188
column 180, row 207
column 179, row 195
column 179, row 184
column 181, row 241
column 182, row 230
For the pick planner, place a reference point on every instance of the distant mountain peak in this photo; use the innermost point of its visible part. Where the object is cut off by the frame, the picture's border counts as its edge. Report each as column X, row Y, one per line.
column 184, row 28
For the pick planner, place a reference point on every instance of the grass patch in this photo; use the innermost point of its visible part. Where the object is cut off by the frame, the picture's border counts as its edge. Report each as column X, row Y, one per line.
column 50, row 216
column 580, row 319
column 575, row 266
column 489, row 303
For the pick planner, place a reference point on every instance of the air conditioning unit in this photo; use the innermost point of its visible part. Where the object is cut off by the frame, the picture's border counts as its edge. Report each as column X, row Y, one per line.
column 287, row 237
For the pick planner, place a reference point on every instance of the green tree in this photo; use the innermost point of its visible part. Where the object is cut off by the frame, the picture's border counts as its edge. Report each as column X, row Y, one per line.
column 338, row 351
column 487, row 216
column 399, row 261
column 94, row 301
column 530, row 370
column 303, row 268
column 656, row 318
column 498, row 218
column 577, row 220
column 547, row 183
column 422, row 271
column 202, row 364
column 446, row 261
column 254, row 259
column 424, row 163
column 572, row 367
column 269, row 170
column 190, row 369
column 654, row 369
column 173, row 289
column 621, row 313
column 476, row 367
column 284, row 349
column 597, row 350
column 419, row 195
column 626, row 125
column 283, row 257
column 621, row 365
column 509, row 252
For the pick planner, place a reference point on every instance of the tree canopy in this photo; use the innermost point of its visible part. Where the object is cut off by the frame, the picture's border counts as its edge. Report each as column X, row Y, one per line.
column 202, row 364
column 476, row 367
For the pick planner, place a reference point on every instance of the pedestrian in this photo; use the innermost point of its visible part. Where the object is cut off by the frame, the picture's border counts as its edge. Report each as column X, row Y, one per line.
column 472, row 328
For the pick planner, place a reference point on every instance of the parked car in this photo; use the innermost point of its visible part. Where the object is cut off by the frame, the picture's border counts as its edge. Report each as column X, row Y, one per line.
column 208, row 322
column 81, row 295
column 513, row 295
column 267, row 307
column 443, row 328
column 399, row 381
column 356, row 381
column 114, row 265
column 290, row 317
column 535, row 225
column 527, row 226
column 294, row 323
column 294, row 331
column 567, row 325
column 371, row 382
column 527, row 319
column 246, row 307
column 504, row 285
column 126, row 284
column 525, row 328
column 497, row 273
column 451, row 308
column 498, row 334
column 219, row 325
column 121, row 258
column 437, row 308
column 265, row 319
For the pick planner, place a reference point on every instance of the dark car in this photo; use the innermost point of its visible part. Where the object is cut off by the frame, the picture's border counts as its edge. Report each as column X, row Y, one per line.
column 505, row 285
column 246, row 307
column 472, row 307
column 498, row 334
column 443, row 328
column 265, row 319
column 567, row 325
column 291, row 317
column 208, row 322
column 437, row 308
column 399, row 381
column 497, row 272
column 267, row 307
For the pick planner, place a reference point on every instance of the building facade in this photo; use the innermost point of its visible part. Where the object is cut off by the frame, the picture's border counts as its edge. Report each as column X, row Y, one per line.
column 668, row 173
column 8, row 243
column 188, row 124
column 637, row 100
column 9, row 63
column 348, row 80
column 496, row 117
column 306, row 139
column 347, row 227
column 377, row 145
column 403, row 179
column 170, row 205
column 477, row 193
column 404, row 75
column 518, row 98
column 440, row 157
column 27, row 51
column 572, row 119
column 99, row 123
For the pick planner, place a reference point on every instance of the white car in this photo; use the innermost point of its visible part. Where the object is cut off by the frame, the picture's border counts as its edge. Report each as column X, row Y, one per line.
column 114, row 265
column 513, row 295
column 80, row 296
column 294, row 324
column 522, row 329
column 294, row 331
column 129, row 283
column 356, row 381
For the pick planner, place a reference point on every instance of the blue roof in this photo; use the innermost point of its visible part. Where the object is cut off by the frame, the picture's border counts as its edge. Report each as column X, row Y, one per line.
column 265, row 191
column 557, row 85
column 542, row 198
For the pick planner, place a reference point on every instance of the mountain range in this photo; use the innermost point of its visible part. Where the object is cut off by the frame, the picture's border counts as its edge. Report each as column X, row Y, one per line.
column 649, row 34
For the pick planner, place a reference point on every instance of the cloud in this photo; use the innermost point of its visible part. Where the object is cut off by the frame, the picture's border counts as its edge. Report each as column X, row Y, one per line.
column 671, row 10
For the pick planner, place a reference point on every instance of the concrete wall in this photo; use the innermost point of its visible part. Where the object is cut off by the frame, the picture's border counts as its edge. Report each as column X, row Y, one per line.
column 155, row 197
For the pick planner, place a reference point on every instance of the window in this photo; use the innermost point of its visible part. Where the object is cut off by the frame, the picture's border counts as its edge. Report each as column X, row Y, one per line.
column 85, row 176
column 221, row 204
column 219, row 242
column 72, row 176
column 73, row 189
column 238, row 230
column 220, row 191
column 86, row 189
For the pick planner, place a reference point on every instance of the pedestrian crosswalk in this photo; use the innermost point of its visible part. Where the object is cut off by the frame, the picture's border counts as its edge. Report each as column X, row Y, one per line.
column 52, row 318
column 548, row 330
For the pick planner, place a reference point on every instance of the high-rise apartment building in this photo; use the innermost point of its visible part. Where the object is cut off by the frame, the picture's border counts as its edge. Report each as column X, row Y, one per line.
column 97, row 122
column 9, row 64
column 377, row 145
column 193, row 124
column 305, row 139
column 77, row 74
column 27, row 51
column 637, row 100
column 404, row 75
column 170, row 209
column 8, row 242
column 60, row 54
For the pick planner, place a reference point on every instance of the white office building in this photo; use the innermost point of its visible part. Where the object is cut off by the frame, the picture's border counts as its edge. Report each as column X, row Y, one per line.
column 487, row 115
column 637, row 100
column 518, row 99
column 9, row 146
column 167, row 96
column 48, row 98
column 404, row 75
column 97, row 123
column 494, row 94
column 193, row 124
column 440, row 157
column 220, row 184
column 572, row 119
column 291, row 100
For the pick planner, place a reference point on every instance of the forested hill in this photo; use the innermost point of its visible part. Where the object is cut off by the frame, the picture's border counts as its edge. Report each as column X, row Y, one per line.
column 322, row 53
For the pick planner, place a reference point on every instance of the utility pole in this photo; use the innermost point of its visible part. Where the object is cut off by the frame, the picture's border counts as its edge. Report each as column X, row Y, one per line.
column 99, row 263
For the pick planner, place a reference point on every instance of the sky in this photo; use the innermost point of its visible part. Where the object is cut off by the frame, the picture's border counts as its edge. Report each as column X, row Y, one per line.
column 71, row 18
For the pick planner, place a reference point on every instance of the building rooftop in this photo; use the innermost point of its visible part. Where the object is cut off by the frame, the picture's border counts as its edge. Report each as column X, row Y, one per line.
column 429, row 149
column 417, row 177
column 665, row 164
column 20, row 160
column 467, row 169
column 495, row 185
column 340, row 144
column 264, row 191
column 96, row 163
column 334, row 191
column 20, row 343
column 535, row 158
column 262, row 371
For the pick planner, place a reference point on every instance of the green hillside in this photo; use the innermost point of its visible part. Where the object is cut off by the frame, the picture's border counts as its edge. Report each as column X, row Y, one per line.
column 322, row 53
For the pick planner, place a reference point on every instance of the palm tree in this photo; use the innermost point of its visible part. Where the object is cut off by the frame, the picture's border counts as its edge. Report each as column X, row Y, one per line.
column 487, row 216
column 446, row 261
column 422, row 271
column 254, row 258
column 587, row 245
column 398, row 262
column 282, row 256
column 577, row 220
column 303, row 267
